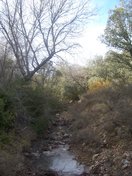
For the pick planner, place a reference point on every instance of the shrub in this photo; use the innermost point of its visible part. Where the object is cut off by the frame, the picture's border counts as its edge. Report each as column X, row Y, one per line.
column 106, row 114
column 41, row 123
column 4, row 138
column 97, row 84
column 7, row 116
column 73, row 91
column 87, row 136
column 40, row 105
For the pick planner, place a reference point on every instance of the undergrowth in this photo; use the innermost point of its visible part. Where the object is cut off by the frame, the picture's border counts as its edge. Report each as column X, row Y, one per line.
column 103, row 115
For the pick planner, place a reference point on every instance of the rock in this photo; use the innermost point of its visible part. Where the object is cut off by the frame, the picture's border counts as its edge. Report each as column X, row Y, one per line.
column 71, row 101
column 46, row 152
column 36, row 154
column 125, row 163
column 84, row 144
column 57, row 115
column 95, row 156
column 66, row 136
column 79, row 101
column 124, row 166
column 127, row 155
column 27, row 154
column 50, row 147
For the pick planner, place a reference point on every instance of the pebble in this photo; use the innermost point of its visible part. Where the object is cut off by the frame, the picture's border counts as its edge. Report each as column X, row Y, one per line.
column 27, row 154
column 95, row 156
column 37, row 154
column 125, row 163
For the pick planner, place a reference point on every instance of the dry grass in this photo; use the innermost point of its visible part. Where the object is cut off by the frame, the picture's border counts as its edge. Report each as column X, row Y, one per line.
column 105, row 111
column 103, row 122
column 11, row 155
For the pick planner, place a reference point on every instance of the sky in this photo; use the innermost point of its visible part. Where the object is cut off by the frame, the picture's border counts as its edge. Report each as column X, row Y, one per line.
column 89, row 40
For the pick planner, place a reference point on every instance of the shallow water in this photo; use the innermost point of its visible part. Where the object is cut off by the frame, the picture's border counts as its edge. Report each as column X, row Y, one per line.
column 60, row 160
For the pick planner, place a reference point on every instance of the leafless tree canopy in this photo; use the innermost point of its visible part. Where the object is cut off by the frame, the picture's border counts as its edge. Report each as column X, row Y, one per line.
column 38, row 30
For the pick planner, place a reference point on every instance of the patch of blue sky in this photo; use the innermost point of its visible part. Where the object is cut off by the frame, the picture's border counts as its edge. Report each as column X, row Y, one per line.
column 104, row 6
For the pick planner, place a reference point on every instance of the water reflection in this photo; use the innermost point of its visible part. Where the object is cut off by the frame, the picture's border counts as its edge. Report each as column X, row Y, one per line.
column 60, row 160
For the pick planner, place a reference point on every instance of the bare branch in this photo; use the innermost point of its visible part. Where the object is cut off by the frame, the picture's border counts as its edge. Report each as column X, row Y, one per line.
column 39, row 30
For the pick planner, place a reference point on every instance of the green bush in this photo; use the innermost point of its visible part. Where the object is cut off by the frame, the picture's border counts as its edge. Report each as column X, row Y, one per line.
column 25, row 104
column 4, row 138
column 7, row 116
column 41, row 105
column 73, row 91
column 41, row 123
column 38, row 100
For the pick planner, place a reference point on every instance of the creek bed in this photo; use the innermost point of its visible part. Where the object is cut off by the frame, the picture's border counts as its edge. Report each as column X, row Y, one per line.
column 61, row 161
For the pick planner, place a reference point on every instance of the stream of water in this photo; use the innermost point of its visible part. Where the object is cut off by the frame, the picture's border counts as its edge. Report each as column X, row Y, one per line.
column 57, row 157
column 60, row 160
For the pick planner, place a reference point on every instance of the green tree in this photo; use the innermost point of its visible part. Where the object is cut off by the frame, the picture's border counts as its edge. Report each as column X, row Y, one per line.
column 109, row 69
column 118, row 31
column 75, row 81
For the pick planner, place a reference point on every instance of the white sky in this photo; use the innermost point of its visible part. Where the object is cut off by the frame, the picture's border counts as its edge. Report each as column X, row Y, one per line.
column 90, row 42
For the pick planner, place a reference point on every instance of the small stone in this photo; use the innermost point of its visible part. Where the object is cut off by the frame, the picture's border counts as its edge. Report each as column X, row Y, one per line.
column 83, row 144
column 80, row 101
column 126, row 155
column 124, row 166
column 125, row 163
column 46, row 152
column 95, row 156
column 57, row 114
column 50, row 147
column 27, row 154
column 66, row 136
column 36, row 154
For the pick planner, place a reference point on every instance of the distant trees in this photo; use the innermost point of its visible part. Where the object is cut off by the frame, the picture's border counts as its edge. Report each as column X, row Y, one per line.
column 39, row 30
column 109, row 69
column 75, row 81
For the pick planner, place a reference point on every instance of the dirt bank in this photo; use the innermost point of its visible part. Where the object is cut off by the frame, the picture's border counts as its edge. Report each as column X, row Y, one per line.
column 102, row 132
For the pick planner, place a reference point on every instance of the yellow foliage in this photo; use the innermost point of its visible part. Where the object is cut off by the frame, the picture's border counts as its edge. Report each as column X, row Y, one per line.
column 98, row 84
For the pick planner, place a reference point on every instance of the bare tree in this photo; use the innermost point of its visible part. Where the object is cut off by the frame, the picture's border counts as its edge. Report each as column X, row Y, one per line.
column 39, row 30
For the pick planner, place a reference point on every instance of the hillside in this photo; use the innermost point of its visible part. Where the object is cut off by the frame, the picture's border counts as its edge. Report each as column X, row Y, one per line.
column 101, row 126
